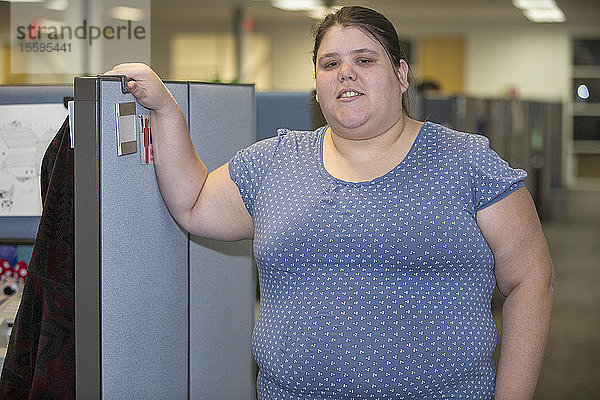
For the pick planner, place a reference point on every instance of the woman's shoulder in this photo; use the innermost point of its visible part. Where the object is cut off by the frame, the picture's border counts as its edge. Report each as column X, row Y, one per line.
column 444, row 134
column 284, row 142
column 294, row 140
column 453, row 140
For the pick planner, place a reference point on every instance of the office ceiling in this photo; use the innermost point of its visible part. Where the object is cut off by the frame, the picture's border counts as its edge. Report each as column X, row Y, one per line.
column 502, row 12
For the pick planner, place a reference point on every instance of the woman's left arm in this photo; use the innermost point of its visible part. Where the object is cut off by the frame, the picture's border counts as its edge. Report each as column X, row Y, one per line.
column 525, row 275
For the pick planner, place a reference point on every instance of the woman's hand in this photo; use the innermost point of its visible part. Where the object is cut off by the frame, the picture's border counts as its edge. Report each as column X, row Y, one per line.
column 146, row 86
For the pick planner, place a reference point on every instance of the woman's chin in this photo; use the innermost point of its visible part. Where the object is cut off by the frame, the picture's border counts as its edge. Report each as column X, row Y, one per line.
column 349, row 124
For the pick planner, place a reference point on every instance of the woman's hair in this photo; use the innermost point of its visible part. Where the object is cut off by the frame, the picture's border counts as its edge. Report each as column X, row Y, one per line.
column 372, row 23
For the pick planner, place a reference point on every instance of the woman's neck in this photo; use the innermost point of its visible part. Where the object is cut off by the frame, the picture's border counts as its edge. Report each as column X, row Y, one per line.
column 358, row 151
column 357, row 160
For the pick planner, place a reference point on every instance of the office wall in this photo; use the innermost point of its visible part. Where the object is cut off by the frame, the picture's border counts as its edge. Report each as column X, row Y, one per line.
column 291, row 56
column 536, row 61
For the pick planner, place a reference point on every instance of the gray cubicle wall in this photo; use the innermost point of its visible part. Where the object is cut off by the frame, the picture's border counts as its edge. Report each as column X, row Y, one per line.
column 131, row 334
column 498, row 126
column 21, row 228
column 222, row 276
column 147, row 313
column 291, row 110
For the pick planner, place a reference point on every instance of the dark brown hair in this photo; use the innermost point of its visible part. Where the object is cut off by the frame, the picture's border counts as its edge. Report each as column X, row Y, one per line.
column 372, row 23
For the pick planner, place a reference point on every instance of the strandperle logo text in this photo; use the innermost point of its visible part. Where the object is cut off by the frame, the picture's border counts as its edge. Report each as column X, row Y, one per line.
column 84, row 31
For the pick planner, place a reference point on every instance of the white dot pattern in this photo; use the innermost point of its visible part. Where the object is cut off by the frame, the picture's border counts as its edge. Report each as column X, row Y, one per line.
column 379, row 289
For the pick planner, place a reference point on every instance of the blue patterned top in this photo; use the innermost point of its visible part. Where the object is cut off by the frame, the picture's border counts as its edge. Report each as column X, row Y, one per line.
column 378, row 289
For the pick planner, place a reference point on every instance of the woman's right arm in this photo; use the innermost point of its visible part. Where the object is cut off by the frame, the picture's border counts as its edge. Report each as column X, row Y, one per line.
column 205, row 204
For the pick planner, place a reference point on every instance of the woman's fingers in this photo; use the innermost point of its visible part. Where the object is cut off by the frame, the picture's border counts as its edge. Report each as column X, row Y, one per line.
column 145, row 85
column 133, row 87
column 144, row 97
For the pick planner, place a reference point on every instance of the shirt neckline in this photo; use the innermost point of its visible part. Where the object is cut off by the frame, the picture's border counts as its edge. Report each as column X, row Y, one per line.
column 324, row 172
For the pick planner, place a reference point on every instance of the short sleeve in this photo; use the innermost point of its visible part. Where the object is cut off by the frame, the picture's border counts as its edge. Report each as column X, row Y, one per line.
column 249, row 166
column 492, row 178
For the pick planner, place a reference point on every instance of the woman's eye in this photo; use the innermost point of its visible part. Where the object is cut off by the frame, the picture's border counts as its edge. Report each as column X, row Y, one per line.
column 364, row 60
column 331, row 64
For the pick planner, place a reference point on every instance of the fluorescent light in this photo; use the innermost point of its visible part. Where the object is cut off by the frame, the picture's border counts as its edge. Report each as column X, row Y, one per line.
column 45, row 22
column 298, row 5
column 540, row 10
column 127, row 13
column 545, row 15
column 57, row 5
column 529, row 4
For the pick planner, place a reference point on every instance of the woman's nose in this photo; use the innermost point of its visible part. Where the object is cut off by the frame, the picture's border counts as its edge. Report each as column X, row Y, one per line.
column 347, row 72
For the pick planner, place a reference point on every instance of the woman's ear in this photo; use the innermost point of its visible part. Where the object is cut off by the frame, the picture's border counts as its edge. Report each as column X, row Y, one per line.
column 317, row 97
column 403, row 75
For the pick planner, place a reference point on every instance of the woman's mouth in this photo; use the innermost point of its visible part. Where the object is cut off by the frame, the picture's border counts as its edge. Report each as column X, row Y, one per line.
column 349, row 94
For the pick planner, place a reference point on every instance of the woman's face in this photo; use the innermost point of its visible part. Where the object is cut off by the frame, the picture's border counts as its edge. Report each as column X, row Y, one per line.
column 357, row 86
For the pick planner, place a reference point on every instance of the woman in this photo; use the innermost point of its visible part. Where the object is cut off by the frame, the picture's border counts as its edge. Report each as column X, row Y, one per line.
column 379, row 239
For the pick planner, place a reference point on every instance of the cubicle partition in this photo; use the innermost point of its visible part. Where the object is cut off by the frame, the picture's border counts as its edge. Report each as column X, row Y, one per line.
column 222, row 120
column 498, row 126
column 158, row 314
column 291, row 110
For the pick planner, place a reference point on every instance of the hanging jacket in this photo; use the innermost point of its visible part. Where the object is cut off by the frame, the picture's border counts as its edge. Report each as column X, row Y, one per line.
column 40, row 360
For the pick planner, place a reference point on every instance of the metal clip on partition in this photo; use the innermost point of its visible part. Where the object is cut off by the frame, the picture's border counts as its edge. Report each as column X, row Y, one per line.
column 122, row 78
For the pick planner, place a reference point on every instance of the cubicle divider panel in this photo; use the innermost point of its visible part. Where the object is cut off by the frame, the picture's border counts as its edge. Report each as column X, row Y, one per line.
column 471, row 115
column 520, row 145
column 157, row 315
column 441, row 110
column 554, row 124
column 133, row 255
column 519, row 148
column 499, row 126
column 23, row 228
column 275, row 110
column 222, row 274
column 553, row 161
column 143, row 272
